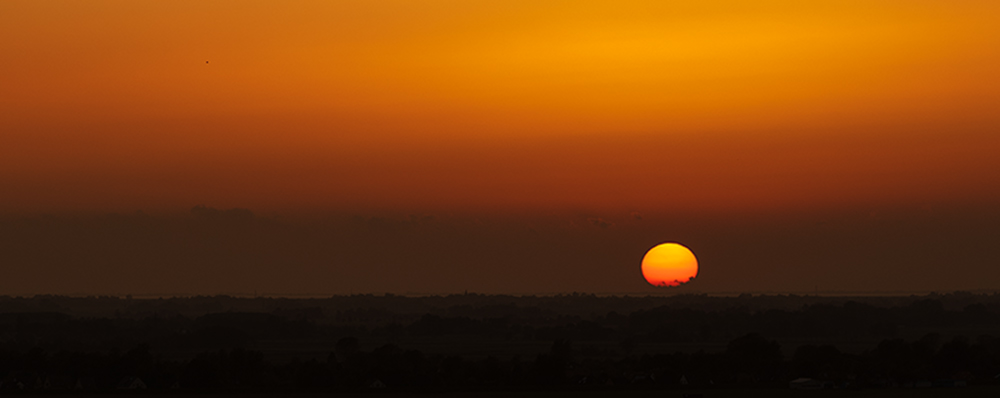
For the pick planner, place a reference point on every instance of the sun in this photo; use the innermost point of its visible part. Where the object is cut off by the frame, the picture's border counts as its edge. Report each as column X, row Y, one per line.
column 669, row 264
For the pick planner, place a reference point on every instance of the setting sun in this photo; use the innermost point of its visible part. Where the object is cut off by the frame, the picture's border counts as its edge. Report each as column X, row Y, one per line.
column 669, row 264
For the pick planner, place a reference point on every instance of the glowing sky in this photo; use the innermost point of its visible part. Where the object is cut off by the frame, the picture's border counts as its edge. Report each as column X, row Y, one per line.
column 715, row 105
column 498, row 146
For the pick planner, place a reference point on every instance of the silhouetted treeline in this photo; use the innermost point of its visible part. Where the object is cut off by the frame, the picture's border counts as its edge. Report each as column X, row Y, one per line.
column 183, row 326
column 496, row 342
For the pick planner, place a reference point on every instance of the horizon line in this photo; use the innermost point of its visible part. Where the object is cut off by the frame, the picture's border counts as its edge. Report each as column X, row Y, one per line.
column 273, row 295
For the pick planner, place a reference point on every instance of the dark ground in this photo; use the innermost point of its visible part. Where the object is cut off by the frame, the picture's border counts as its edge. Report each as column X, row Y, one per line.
column 470, row 343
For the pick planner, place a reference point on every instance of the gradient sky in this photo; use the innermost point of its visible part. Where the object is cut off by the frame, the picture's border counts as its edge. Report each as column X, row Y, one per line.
column 704, row 108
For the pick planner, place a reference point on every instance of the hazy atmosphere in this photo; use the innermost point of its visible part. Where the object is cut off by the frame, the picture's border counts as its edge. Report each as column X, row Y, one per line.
column 209, row 251
column 504, row 147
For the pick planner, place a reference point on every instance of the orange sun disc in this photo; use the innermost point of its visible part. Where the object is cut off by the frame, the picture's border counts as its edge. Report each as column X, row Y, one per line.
column 669, row 264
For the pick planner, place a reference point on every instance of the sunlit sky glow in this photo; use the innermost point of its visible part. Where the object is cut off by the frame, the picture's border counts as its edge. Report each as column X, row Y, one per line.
column 505, row 146
column 652, row 105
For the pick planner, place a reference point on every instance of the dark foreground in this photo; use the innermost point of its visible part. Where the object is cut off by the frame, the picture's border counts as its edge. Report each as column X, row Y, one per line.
column 971, row 392
column 480, row 345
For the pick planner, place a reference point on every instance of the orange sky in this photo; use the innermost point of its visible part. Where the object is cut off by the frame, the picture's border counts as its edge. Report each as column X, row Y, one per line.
column 646, row 105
